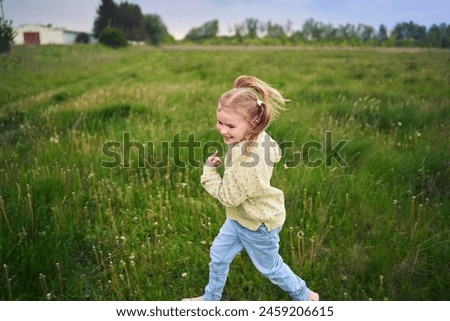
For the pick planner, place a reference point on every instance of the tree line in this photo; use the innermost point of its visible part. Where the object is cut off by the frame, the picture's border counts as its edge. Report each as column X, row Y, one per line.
column 254, row 31
column 128, row 18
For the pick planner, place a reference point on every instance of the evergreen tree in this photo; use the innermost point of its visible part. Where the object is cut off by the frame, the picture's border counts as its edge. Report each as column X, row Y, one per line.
column 382, row 35
column 129, row 19
column 106, row 12
column 7, row 35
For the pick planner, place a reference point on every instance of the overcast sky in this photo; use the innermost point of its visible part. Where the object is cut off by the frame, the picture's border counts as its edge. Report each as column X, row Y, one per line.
column 182, row 15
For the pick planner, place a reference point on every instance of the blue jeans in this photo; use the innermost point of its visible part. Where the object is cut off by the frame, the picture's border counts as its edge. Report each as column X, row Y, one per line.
column 262, row 248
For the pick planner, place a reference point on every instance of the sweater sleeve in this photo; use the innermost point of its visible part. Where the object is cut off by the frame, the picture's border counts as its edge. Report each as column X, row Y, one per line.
column 241, row 179
column 226, row 190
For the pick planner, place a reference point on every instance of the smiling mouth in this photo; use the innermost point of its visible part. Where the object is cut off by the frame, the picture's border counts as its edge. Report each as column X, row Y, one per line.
column 227, row 138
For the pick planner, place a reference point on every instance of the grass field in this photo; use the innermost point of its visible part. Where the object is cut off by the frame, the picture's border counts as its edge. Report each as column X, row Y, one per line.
column 71, row 229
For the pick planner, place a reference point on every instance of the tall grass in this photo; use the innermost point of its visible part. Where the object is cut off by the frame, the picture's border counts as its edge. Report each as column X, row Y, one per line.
column 74, row 230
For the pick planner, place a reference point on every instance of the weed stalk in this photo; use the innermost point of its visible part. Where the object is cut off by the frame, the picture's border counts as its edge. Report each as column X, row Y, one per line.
column 2, row 206
column 8, row 282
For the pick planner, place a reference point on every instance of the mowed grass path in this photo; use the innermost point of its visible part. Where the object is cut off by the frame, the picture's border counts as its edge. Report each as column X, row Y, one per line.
column 72, row 229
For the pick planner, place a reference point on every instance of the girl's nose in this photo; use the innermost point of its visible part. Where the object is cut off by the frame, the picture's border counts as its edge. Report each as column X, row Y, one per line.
column 222, row 129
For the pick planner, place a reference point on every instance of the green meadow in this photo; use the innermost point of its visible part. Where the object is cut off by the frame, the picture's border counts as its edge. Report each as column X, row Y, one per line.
column 97, row 203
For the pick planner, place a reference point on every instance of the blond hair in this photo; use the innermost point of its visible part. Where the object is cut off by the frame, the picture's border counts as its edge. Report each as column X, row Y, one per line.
column 257, row 101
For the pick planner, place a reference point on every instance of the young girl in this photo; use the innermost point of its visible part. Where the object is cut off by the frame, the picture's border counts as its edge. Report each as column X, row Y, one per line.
column 254, row 209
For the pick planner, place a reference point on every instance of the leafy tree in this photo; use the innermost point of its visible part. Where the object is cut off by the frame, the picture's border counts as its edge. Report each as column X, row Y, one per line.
column 206, row 31
column 156, row 30
column 445, row 40
column 409, row 33
column 82, row 37
column 6, row 36
column 275, row 31
column 317, row 31
column 288, row 28
column 251, row 26
column 106, row 12
column 439, row 36
column 311, row 30
column 129, row 19
column 347, row 32
column 113, row 37
column 248, row 29
column 328, row 33
column 365, row 32
column 239, row 32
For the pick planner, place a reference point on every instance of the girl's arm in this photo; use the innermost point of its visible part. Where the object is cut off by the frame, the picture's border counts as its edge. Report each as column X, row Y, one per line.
column 239, row 182
column 227, row 190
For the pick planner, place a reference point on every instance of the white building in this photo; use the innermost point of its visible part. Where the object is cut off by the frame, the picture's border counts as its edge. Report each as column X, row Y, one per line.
column 38, row 34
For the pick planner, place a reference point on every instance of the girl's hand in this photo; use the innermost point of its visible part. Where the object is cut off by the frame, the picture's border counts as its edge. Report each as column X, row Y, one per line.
column 213, row 160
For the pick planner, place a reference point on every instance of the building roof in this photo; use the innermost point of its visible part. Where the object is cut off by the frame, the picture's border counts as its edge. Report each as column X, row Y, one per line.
column 39, row 26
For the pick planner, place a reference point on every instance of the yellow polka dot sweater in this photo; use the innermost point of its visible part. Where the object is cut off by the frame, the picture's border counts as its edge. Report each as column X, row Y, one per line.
column 245, row 188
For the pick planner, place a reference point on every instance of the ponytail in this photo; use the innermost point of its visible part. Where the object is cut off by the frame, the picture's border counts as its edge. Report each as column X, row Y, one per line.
column 271, row 99
column 257, row 101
